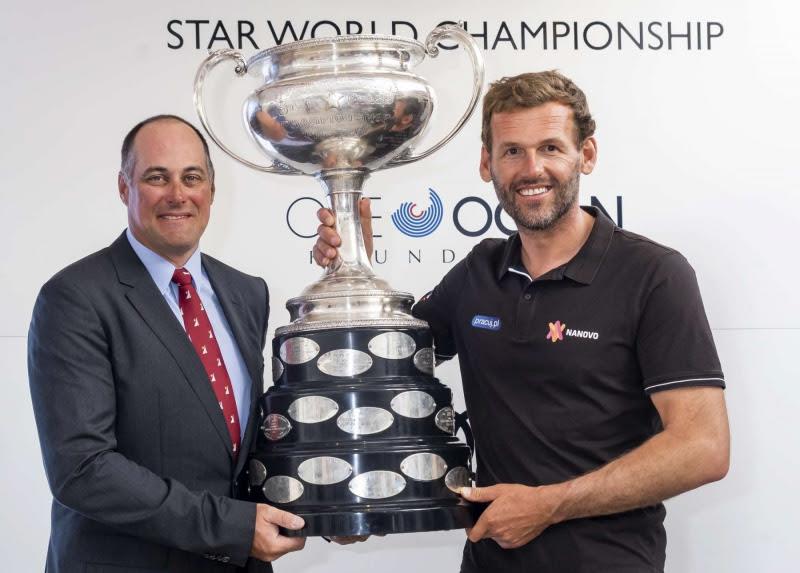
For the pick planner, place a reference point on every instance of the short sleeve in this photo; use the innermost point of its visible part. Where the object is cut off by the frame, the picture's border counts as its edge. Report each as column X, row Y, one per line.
column 674, row 344
column 438, row 308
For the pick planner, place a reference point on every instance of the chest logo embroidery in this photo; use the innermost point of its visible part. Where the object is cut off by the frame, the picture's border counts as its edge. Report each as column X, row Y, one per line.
column 485, row 322
column 556, row 331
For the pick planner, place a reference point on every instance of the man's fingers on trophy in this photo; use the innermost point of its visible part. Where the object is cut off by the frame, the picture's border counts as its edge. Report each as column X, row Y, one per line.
column 268, row 543
column 324, row 250
column 481, row 494
column 283, row 518
column 281, row 545
column 288, row 544
column 365, row 210
column 319, row 255
column 478, row 531
column 325, row 217
column 328, row 237
column 365, row 213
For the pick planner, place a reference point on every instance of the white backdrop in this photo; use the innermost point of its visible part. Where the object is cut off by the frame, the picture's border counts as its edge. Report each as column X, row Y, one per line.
column 700, row 144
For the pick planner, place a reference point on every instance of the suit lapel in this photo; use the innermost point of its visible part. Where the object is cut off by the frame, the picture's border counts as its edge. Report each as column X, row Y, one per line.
column 233, row 306
column 154, row 310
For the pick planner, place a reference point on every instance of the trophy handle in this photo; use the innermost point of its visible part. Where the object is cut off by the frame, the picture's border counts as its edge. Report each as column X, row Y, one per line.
column 463, row 37
column 214, row 58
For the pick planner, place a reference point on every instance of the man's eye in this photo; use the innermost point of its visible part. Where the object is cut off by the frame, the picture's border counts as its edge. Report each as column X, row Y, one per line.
column 511, row 151
column 192, row 179
column 155, row 178
column 551, row 148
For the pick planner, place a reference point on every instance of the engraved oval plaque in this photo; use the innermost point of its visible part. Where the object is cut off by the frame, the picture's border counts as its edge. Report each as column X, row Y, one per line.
column 324, row 470
column 276, row 427
column 258, row 473
column 423, row 360
column 424, row 466
column 277, row 368
column 446, row 420
column 298, row 350
column 457, row 478
column 344, row 362
column 365, row 420
column 282, row 489
column 378, row 484
column 392, row 345
column 414, row 404
column 313, row 409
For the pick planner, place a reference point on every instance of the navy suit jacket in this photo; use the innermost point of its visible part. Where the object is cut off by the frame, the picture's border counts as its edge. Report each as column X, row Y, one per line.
column 135, row 448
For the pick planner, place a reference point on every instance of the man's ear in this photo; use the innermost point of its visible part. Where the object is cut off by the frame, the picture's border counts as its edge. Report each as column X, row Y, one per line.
column 588, row 155
column 122, row 185
column 485, row 170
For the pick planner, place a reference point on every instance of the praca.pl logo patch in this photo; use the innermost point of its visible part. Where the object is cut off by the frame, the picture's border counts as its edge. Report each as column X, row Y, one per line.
column 486, row 322
column 414, row 222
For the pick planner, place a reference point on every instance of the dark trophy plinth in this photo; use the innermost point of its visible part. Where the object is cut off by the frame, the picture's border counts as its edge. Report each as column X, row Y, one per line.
column 356, row 435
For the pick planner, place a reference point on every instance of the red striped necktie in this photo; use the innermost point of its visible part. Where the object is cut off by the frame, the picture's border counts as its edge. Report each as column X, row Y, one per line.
column 201, row 335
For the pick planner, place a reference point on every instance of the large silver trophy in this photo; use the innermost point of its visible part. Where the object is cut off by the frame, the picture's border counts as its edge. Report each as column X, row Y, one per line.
column 357, row 435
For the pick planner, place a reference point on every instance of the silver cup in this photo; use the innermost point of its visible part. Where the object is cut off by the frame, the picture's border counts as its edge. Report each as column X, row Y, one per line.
column 357, row 435
column 337, row 109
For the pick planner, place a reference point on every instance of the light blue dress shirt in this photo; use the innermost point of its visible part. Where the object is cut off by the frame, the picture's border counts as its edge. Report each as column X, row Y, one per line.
column 161, row 270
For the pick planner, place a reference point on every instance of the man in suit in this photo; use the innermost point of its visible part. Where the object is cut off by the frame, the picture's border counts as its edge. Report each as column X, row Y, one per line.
column 145, row 363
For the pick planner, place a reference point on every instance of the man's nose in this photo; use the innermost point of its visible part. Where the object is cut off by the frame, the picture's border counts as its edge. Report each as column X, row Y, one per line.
column 533, row 165
column 176, row 192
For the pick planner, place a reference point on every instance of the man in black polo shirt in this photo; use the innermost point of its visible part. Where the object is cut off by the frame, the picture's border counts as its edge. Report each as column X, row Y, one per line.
column 589, row 370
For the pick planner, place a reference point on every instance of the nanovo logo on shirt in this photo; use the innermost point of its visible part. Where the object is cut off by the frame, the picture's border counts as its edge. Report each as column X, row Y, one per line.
column 486, row 322
column 557, row 331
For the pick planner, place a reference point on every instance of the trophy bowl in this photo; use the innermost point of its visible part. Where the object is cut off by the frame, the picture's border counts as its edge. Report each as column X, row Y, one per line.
column 357, row 436
column 338, row 103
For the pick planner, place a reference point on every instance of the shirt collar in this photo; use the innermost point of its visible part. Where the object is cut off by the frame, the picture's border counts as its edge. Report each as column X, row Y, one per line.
column 160, row 269
column 581, row 268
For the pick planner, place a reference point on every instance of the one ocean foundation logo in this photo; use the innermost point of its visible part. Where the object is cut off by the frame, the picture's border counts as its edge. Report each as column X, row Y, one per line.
column 486, row 322
column 419, row 224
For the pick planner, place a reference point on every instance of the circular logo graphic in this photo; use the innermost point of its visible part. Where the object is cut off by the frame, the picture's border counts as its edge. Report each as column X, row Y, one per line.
column 415, row 223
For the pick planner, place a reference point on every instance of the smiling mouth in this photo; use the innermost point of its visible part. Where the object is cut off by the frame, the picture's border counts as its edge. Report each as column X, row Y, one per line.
column 175, row 217
column 534, row 190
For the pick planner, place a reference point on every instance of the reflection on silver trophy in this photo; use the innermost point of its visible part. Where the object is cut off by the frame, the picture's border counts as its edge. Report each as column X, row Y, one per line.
column 358, row 437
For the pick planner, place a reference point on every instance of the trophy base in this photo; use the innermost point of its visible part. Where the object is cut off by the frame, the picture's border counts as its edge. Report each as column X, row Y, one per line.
column 358, row 437
column 381, row 521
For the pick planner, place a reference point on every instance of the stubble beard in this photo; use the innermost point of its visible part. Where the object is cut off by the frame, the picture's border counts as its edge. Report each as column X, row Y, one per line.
column 564, row 198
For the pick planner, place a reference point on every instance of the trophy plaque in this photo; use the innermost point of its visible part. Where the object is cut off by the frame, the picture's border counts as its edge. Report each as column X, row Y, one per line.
column 357, row 436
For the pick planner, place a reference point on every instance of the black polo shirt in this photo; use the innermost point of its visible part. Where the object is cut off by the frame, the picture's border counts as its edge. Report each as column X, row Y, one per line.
column 556, row 374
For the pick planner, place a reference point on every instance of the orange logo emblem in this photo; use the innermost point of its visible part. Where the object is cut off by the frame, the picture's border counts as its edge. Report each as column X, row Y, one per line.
column 556, row 331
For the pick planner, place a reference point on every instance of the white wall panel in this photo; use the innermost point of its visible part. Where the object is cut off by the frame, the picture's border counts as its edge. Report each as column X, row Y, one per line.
column 700, row 145
column 25, row 518
column 745, row 522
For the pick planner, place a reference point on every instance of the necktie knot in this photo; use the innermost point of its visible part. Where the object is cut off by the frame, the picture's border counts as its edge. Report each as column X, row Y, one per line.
column 182, row 277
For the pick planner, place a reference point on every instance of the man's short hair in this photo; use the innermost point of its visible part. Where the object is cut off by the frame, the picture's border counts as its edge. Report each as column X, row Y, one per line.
column 128, row 157
column 531, row 90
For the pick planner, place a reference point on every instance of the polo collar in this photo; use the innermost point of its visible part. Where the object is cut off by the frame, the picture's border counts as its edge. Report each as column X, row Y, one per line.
column 582, row 268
